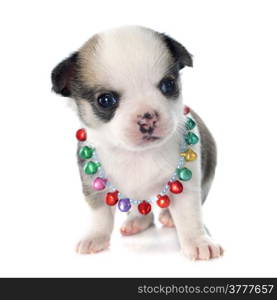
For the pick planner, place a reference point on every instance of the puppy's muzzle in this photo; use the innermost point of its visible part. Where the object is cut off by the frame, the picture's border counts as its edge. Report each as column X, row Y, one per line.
column 147, row 123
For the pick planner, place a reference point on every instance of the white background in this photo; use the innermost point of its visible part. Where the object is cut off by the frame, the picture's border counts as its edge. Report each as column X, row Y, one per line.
column 232, row 86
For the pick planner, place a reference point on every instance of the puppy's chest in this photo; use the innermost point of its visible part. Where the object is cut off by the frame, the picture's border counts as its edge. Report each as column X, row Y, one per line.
column 140, row 175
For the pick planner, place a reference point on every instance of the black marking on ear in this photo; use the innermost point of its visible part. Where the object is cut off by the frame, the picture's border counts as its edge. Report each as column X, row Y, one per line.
column 180, row 54
column 67, row 81
column 64, row 74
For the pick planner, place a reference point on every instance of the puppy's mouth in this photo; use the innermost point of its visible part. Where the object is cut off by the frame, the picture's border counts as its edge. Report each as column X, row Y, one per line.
column 150, row 138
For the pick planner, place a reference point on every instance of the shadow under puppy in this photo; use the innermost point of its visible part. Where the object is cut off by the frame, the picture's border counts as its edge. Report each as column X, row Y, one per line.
column 127, row 88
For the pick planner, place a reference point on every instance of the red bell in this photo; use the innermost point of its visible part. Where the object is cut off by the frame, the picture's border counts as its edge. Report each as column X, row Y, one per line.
column 111, row 198
column 144, row 208
column 175, row 187
column 81, row 135
column 163, row 201
column 186, row 110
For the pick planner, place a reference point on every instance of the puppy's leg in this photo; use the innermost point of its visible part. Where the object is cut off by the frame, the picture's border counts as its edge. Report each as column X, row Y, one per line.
column 186, row 212
column 98, row 237
column 136, row 222
column 165, row 218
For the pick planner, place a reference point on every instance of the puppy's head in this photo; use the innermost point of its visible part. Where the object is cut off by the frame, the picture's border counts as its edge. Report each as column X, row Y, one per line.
column 126, row 86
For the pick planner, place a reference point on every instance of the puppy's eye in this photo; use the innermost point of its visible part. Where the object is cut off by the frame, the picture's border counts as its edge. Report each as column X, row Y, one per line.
column 107, row 100
column 168, row 86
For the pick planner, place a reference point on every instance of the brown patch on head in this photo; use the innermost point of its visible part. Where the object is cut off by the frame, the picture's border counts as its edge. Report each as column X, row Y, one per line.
column 87, row 53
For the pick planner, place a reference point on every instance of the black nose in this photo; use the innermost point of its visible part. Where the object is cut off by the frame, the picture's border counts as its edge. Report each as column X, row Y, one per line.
column 147, row 116
column 148, row 122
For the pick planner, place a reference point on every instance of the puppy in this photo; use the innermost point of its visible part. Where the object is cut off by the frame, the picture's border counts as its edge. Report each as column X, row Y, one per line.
column 127, row 88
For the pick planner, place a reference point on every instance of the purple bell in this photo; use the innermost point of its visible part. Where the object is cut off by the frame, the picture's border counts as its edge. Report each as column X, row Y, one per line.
column 124, row 204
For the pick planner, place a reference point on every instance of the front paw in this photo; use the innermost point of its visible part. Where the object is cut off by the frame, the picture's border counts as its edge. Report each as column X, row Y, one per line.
column 201, row 248
column 136, row 224
column 93, row 243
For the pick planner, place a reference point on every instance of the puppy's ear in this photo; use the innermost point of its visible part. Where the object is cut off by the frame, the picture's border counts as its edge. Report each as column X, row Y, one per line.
column 63, row 75
column 178, row 51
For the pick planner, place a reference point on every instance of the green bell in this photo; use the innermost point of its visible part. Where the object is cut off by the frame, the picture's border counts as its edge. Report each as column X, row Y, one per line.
column 184, row 174
column 91, row 167
column 86, row 152
column 191, row 138
column 190, row 124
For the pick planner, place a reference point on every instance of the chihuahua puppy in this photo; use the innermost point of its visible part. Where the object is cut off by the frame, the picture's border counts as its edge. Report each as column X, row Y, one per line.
column 127, row 88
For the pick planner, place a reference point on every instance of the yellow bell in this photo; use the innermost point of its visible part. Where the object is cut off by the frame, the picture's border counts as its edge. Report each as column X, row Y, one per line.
column 189, row 155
